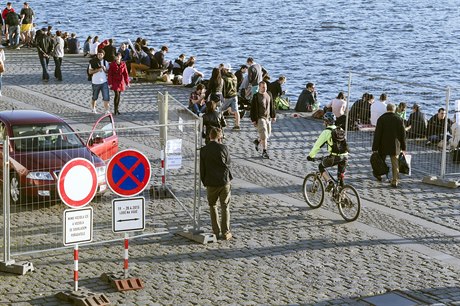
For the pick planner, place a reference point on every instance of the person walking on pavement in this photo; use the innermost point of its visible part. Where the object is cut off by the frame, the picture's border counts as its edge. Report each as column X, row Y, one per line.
column 390, row 139
column 118, row 79
column 215, row 175
column 98, row 68
column 230, row 94
column 262, row 114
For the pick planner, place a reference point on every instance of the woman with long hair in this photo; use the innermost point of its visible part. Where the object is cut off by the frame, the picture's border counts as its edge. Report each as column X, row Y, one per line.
column 215, row 84
column 118, row 79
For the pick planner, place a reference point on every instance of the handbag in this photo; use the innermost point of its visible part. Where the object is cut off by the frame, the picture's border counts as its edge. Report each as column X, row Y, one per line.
column 404, row 163
column 2, row 67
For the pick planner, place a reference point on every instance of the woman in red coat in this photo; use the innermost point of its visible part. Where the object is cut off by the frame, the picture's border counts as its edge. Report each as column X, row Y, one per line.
column 118, row 79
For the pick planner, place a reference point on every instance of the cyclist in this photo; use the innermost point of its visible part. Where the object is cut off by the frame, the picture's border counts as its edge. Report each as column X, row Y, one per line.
column 337, row 156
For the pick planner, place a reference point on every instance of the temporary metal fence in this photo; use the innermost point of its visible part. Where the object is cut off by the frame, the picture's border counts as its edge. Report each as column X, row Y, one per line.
column 428, row 160
column 31, row 211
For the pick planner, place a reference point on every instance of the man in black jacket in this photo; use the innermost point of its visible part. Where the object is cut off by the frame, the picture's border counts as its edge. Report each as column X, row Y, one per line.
column 390, row 139
column 45, row 48
column 216, row 176
column 306, row 99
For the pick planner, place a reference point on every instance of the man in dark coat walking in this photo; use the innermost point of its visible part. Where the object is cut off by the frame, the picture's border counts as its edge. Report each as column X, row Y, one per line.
column 390, row 139
column 216, row 176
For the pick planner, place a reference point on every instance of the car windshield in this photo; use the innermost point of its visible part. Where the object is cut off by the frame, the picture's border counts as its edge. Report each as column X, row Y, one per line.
column 45, row 137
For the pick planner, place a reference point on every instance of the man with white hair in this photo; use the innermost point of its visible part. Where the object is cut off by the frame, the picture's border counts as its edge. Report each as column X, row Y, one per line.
column 230, row 93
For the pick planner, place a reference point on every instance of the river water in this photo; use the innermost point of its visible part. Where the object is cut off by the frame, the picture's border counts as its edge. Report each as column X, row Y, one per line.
column 321, row 41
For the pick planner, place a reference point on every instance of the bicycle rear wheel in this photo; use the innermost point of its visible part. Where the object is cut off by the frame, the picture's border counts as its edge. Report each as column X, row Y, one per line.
column 349, row 203
column 313, row 190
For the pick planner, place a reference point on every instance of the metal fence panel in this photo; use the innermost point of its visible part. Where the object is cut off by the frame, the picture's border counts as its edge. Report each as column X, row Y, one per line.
column 36, row 215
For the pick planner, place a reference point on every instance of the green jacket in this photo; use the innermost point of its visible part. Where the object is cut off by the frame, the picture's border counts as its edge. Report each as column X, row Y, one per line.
column 324, row 137
column 230, row 88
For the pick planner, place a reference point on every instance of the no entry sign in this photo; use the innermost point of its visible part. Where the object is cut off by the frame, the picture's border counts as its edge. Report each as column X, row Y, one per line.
column 77, row 182
column 128, row 173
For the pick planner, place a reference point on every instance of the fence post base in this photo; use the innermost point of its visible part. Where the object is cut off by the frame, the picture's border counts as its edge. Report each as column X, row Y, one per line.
column 120, row 283
column 433, row 180
column 84, row 298
column 200, row 237
column 160, row 192
column 20, row 268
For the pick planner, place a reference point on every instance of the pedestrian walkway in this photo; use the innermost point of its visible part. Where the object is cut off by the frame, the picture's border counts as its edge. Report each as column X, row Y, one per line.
column 406, row 239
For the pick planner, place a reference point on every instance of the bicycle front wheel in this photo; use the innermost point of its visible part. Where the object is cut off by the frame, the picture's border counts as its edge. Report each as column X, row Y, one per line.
column 349, row 203
column 313, row 190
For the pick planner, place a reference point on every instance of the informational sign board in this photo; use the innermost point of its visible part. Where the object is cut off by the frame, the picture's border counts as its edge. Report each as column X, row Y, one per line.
column 128, row 214
column 128, row 173
column 174, row 154
column 77, row 183
column 78, row 226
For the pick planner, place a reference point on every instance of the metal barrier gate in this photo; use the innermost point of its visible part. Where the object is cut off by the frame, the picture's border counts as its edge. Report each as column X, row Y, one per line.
column 428, row 160
column 31, row 211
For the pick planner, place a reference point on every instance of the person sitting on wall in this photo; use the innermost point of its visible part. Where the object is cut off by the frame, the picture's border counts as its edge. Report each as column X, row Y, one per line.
column 360, row 111
column 416, row 124
column 306, row 99
column 435, row 127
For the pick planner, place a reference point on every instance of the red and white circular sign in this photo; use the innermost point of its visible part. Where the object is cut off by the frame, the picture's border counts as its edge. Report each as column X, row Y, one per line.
column 77, row 182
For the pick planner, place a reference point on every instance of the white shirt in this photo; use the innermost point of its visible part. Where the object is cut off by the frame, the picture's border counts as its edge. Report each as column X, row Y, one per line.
column 187, row 75
column 338, row 107
column 93, row 48
column 101, row 76
column 378, row 108
column 59, row 47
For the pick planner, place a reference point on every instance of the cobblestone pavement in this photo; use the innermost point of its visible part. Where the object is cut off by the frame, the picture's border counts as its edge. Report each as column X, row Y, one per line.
column 284, row 253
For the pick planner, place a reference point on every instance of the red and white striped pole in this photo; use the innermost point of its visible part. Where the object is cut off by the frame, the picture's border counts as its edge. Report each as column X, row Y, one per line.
column 75, row 269
column 163, row 172
column 125, row 265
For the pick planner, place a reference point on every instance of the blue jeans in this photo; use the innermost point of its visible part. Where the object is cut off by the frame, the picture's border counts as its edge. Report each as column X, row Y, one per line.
column 44, row 61
column 104, row 88
column 13, row 35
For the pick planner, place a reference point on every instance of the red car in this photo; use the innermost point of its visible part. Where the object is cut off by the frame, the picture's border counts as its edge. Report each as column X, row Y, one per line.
column 42, row 144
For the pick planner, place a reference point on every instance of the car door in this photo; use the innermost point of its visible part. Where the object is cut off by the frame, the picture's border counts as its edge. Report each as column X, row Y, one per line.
column 103, row 140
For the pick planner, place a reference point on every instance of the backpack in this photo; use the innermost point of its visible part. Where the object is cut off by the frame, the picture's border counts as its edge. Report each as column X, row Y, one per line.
column 339, row 141
column 94, row 63
column 281, row 104
column 12, row 19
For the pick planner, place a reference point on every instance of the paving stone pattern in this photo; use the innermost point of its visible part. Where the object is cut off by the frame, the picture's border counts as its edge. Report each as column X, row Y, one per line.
column 406, row 239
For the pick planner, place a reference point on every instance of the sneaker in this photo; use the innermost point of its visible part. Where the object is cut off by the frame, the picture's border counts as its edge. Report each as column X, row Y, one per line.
column 236, row 128
column 94, row 110
column 256, row 142
column 227, row 236
column 394, row 185
column 265, row 155
column 378, row 177
column 107, row 112
column 329, row 186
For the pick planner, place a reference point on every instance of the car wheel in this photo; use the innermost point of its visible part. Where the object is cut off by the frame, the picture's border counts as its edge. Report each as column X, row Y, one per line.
column 15, row 189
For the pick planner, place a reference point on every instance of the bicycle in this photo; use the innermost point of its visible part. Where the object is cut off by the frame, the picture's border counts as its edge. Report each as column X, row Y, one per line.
column 346, row 197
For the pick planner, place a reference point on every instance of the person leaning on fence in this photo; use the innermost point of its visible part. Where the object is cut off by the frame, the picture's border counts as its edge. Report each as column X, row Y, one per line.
column 390, row 139
column 215, row 175
column 435, row 127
